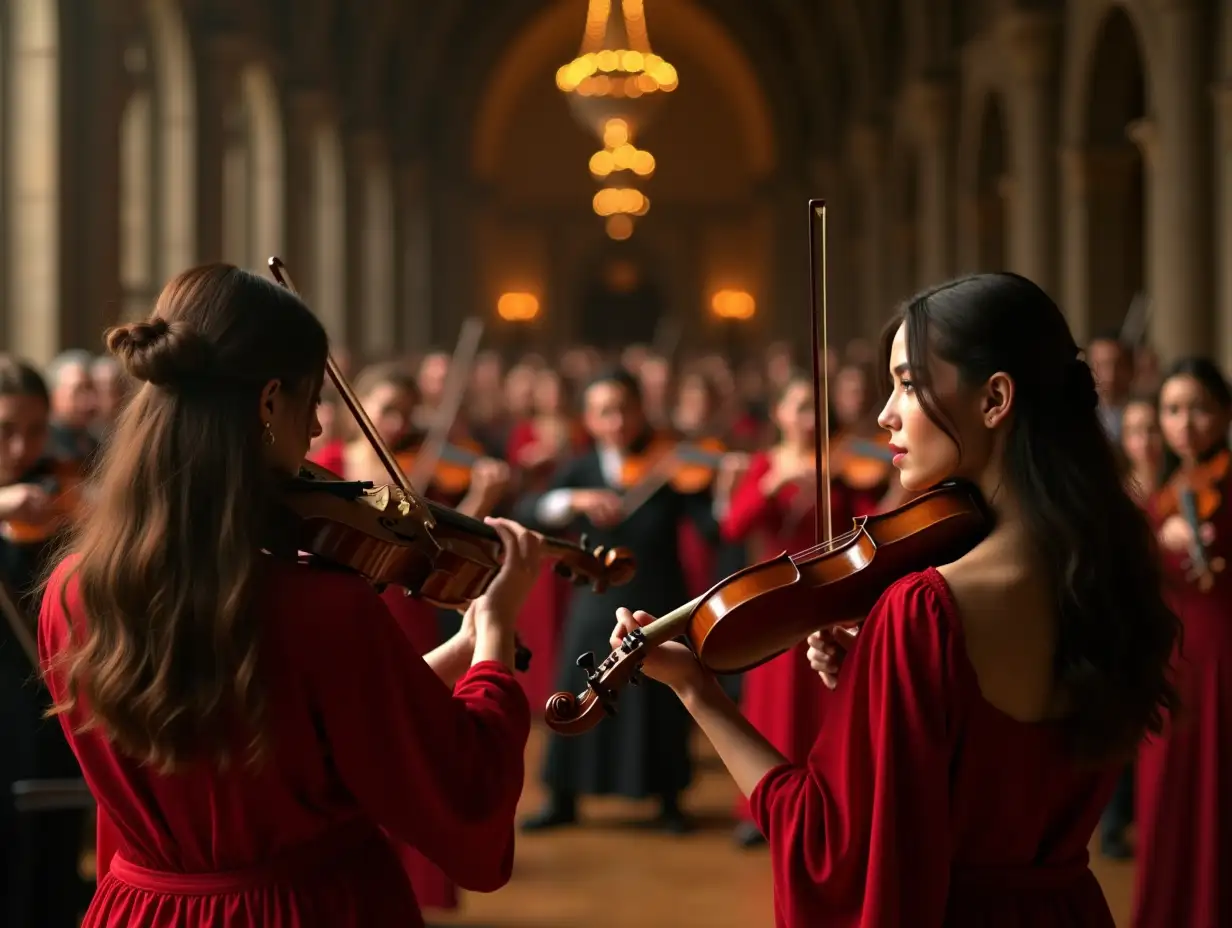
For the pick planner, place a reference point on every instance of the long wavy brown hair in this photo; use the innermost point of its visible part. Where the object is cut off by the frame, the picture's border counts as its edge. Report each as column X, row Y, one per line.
column 165, row 658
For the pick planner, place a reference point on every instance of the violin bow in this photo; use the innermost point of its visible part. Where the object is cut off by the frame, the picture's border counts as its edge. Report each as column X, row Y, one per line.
column 418, row 505
column 456, row 382
column 821, row 370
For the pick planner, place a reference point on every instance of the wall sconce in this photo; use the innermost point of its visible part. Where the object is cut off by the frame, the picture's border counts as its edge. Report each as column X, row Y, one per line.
column 517, row 307
column 733, row 304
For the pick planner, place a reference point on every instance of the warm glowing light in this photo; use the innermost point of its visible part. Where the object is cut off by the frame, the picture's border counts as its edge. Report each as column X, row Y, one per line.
column 625, row 72
column 619, row 227
column 517, row 307
column 615, row 133
column 620, row 154
column 733, row 304
column 611, row 201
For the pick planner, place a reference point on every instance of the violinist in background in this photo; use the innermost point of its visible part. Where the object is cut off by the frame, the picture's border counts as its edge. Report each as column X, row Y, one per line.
column 1184, row 838
column 257, row 728
column 74, row 405
column 329, row 448
column 31, row 515
column 111, row 390
column 978, row 721
column 772, row 508
column 644, row 750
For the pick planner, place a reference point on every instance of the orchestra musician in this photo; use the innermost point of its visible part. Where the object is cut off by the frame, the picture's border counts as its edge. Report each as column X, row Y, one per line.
column 33, row 489
column 978, row 721
column 642, row 752
column 256, row 727
column 1184, row 830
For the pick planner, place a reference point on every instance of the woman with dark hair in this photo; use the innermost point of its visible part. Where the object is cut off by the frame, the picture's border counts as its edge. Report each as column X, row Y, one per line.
column 1184, row 837
column 975, row 730
column 253, row 727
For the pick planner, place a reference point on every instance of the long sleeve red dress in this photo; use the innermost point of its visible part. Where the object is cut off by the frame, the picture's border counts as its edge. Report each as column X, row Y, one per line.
column 365, row 744
column 1184, row 777
column 781, row 698
column 922, row 804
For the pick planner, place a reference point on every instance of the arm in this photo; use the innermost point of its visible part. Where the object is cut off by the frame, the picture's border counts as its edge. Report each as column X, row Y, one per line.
column 553, row 508
column 749, row 507
column 451, row 660
column 441, row 771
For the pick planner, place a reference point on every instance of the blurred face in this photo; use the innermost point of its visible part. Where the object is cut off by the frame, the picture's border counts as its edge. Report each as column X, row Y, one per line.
column 547, row 396
column 74, row 400
column 390, row 408
column 794, row 413
column 850, row 396
column 654, row 376
column 613, row 416
column 520, row 390
column 109, row 391
column 924, row 454
column 432, row 374
column 23, row 435
column 692, row 404
column 1140, row 435
column 1113, row 369
column 1191, row 421
column 293, row 423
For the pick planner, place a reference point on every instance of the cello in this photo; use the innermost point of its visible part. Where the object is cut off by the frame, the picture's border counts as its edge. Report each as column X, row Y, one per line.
column 759, row 612
column 393, row 535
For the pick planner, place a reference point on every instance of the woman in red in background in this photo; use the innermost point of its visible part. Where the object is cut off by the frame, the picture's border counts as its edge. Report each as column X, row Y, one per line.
column 329, row 448
column 389, row 396
column 253, row 727
column 537, row 445
column 772, row 508
column 980, row 718
column 1184, row 818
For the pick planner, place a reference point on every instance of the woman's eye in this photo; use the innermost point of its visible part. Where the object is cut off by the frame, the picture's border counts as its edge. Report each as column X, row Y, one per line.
column 906, row 385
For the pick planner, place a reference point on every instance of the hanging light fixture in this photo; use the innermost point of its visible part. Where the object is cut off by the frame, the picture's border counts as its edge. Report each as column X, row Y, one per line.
column 616, row 75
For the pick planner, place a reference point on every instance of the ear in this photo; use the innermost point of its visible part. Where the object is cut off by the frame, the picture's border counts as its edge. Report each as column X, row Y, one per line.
column 998, row 399
column 271, row 394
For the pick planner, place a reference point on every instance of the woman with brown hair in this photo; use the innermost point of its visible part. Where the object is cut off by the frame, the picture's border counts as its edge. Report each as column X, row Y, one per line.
column 256, row 728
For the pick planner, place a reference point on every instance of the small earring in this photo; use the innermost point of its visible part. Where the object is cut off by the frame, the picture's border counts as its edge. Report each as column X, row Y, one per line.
column 267, row 436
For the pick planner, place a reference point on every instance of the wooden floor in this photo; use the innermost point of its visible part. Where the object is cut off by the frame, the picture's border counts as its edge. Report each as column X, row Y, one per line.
column 609, row 873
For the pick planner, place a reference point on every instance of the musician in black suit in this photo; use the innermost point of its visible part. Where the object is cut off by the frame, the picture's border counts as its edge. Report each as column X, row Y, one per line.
column 643, row 751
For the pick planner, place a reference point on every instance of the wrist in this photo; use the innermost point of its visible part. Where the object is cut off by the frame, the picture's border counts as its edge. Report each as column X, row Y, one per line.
column 699, row 690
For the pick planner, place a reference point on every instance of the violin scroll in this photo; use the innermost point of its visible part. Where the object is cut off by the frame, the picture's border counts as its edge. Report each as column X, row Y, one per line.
column 572, row 714
column 599, row 568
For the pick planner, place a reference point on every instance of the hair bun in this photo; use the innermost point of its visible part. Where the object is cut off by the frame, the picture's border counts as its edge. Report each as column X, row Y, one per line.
column 160, row 352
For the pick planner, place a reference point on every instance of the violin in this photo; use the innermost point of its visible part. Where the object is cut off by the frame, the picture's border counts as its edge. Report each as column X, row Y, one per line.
column 1195, row 493
column 452, row 474
column 688, row 466
column 759, row 612
column 62, row 482
column 861, row 463
column 391, row 534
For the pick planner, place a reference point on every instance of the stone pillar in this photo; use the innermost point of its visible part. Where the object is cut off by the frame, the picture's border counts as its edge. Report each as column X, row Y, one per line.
column 1223, row 218
column 1181, row 317
column 1031, row 45
column 306, row 110
column 222, row 60
column 413, row 267
column 1075, row 241
column 370, row 233
column 866, row 153
column 931, row 105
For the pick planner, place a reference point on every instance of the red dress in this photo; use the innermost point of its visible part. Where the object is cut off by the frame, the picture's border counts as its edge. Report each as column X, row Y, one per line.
column 781, row 698
column 366, row 741
column 1184, row 778
column 923, row 805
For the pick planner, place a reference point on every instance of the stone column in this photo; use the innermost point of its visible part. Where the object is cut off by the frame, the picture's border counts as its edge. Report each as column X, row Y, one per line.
column 371, row 234
column 931, row 104
column 866, row 154
column 1223, row 215
column 1075, row 286
column 1031, row 45
column 222, row 61
column 306, row 109
column 1181, row 317
column 413, row 266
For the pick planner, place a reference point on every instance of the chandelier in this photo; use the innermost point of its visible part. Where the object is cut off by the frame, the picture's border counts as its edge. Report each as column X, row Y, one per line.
column 614, row 85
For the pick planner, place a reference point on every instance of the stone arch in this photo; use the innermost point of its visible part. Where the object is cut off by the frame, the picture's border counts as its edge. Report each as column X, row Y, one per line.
column 32, row 175
column 254, row 172
column 1107, row 174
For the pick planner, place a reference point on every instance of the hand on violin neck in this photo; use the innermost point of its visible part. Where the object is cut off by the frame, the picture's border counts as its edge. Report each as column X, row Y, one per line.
column 826, row 650
column 495, row 613
column 1177, row 535
column 671, row 662
column 489, row 480
column 602, row 507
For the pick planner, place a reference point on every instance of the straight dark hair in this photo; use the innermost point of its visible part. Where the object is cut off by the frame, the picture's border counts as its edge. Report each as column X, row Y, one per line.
column 1115, row 633
column 165, row 659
